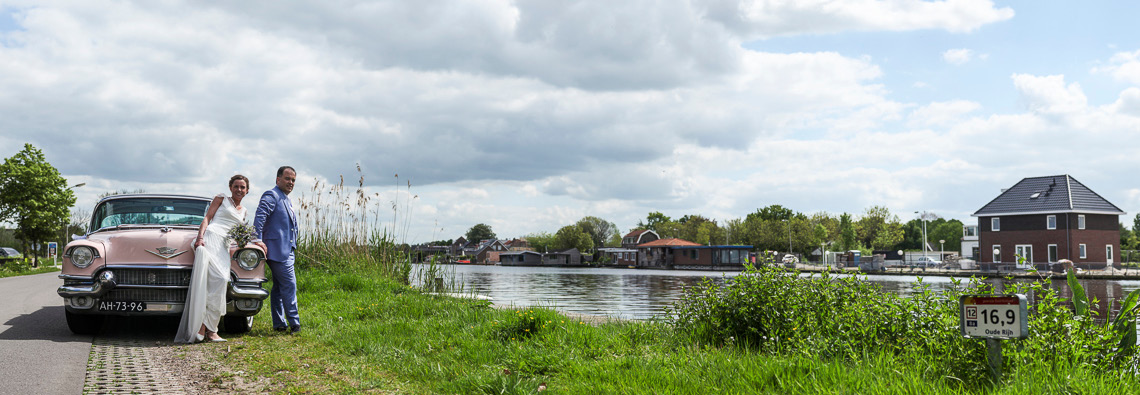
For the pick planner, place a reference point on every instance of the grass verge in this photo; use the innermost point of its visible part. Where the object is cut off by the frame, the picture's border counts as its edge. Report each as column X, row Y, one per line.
column 15, row 269
column 365, row 333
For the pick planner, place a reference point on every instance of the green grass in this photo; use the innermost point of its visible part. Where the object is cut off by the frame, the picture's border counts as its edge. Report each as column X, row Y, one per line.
column 365, row 333
column 12, row 269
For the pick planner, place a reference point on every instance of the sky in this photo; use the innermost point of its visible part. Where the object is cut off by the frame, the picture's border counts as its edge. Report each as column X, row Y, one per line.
column 529, row 115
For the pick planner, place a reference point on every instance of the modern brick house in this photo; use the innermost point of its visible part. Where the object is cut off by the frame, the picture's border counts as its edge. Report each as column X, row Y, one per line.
column 1046, row 219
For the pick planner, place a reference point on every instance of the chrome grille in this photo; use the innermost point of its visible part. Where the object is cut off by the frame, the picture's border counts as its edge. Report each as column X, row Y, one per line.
column 146, row 295
column 152, row 277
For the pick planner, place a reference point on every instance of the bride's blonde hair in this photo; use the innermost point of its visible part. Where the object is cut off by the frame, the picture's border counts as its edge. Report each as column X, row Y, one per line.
column 239, row 177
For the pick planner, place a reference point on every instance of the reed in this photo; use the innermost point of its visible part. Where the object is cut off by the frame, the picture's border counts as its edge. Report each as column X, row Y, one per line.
column 344, row 229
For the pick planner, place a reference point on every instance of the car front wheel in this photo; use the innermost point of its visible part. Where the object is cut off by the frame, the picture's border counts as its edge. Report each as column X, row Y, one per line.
column 83, row 324
column 238, row 323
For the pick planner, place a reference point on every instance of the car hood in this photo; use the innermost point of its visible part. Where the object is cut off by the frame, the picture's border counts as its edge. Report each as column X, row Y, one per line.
column 147, row 246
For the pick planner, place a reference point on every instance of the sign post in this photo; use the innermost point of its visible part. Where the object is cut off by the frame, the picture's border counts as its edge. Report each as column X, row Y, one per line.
column 994, row 318
column 53, row 248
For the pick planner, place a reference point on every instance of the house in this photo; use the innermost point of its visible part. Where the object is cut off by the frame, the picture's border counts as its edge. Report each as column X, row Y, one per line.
column 619, row 256
column 570, row 257
column 457, row 247
column 632, row 239
column 518, row 245
column 487, row 251
column 520, row 258
column 710, row 257
column 659, row 253
column 1046, row 219
column 970, row 246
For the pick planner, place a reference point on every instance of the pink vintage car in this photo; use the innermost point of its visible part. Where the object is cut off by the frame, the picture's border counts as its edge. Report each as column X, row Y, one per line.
column 137, row 260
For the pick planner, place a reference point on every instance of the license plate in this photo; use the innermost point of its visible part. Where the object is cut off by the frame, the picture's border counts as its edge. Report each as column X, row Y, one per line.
column 122, row 306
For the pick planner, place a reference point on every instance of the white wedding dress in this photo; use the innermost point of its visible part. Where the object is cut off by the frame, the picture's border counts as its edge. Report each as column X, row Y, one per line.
column 206, row 298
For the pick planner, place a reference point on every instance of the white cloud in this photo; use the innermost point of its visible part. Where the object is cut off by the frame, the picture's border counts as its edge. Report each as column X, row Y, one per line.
column 958, row 56
column 1123, row 66
column 941, row 113
column 530, row 115
column 768, row 18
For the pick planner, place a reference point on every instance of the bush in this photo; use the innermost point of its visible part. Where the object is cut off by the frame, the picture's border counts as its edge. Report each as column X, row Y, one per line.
column 844, row 318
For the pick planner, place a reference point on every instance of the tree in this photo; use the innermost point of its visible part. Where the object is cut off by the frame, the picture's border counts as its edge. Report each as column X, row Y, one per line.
column 479, row 232
column 572, row 236
column 654, row 222
column 847, row 236
column 34, row 196
column 540, row 242
column 600, row 230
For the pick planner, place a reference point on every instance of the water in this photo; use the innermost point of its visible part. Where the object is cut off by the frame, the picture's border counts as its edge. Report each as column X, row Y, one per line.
column 642, row 294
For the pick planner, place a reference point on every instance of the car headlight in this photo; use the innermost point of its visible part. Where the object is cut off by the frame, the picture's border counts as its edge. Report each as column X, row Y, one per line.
column 82, row 257
column 248, row 259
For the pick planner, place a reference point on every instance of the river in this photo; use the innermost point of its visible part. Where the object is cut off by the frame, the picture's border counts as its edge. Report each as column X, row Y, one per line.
column 642, row 294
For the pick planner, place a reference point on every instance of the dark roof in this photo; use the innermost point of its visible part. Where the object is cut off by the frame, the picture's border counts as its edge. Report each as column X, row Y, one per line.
column 635, row 233
column 1050, row 194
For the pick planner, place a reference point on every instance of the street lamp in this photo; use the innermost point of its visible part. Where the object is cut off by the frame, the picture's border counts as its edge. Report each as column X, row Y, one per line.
column 923, row 233
column 789, row 235
column 941, row 249
column 63, row 240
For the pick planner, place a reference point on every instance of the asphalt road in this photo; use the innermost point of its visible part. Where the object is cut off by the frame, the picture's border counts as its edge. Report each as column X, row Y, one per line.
column 38, row 354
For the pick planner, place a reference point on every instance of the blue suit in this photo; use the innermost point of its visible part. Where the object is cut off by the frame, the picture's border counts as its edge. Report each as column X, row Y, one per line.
column 276, row 225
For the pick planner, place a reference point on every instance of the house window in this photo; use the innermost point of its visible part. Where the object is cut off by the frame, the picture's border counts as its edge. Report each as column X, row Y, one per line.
column 1080, row 222
column 1108, row 254
column 1051, row 222
column 1083, row 253
column 1052, row 253
column 997, row 253
column 995, row 224
column 693, row 254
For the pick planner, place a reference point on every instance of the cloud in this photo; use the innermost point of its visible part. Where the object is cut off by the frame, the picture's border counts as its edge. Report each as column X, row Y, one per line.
column 770, row 18
column 957, row 56
column 1123, row 66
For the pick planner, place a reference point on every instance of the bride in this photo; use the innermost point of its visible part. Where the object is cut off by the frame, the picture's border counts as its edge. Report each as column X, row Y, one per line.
column 206, row 299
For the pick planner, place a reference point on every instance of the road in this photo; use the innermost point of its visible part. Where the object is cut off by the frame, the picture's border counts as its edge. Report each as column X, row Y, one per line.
column 38, row 354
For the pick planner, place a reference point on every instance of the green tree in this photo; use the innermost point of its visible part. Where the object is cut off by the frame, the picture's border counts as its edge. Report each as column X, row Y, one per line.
column 848, row 239
column 572, row 236
column 655, row 221
column 540, row 241
column 600, row 230
column 479, row 232
column 33, row 196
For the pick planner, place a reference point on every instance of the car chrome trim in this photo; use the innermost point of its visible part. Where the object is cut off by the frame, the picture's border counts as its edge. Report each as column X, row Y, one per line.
column 173, row 267
column 106, row 283
column 153, row 286
column 166, row 252
column 247, row 293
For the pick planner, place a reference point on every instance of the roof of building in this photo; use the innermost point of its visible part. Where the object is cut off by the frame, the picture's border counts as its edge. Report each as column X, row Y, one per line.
column 715, row 247
column 1049, row 194
column 670, row 242
column 635, row 233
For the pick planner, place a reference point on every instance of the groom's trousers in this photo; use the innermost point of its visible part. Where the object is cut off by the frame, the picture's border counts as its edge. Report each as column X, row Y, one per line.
column 283, row 297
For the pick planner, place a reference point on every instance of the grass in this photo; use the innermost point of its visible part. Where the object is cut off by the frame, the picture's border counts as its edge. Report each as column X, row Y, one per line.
column 12, row 269
column 366, row 330
column 365, row 333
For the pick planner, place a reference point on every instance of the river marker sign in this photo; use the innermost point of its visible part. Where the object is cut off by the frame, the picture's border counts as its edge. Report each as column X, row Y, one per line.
column 994, row 316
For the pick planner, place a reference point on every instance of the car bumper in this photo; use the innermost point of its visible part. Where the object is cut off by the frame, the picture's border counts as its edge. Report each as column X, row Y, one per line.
column 243, row 298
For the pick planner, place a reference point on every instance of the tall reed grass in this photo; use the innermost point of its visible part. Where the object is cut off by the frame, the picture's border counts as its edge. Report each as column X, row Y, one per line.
column 348, row 229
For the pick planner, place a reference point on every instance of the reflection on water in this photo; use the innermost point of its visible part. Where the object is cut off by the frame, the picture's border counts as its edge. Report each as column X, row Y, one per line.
column 642, row 294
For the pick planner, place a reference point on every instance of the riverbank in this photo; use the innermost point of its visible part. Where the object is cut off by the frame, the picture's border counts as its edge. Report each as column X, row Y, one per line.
column 1106, row 274
column 366, row 333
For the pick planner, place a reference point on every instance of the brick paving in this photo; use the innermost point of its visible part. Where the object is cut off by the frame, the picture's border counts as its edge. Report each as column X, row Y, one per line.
column 128, row 366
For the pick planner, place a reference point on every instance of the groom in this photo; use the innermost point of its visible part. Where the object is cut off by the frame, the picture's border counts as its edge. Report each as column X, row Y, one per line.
column 276, row 226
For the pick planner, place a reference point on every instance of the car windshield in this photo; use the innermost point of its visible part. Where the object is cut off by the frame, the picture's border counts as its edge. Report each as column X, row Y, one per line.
column 149, row 211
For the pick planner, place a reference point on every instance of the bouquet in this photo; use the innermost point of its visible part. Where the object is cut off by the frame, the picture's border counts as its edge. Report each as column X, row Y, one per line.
column 241, row 233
